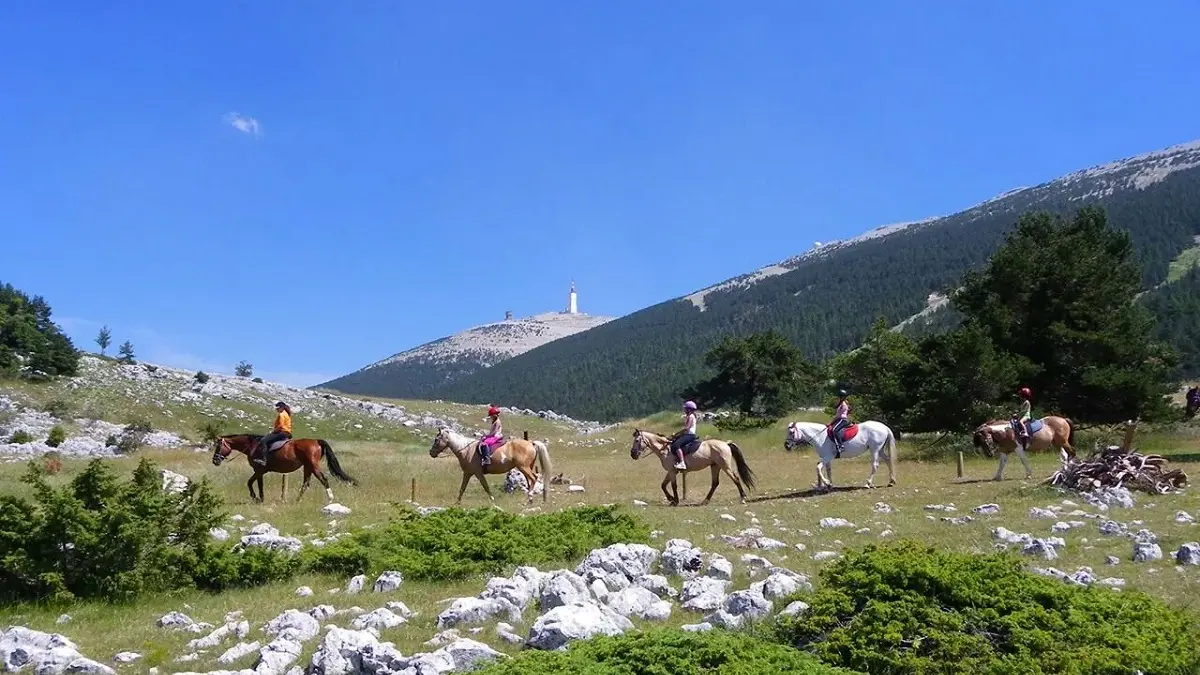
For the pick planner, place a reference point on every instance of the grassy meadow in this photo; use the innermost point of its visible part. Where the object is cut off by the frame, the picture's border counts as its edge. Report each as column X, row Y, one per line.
column 783, row 506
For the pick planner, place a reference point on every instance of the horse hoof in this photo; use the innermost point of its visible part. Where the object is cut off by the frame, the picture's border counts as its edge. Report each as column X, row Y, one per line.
column 891, row 483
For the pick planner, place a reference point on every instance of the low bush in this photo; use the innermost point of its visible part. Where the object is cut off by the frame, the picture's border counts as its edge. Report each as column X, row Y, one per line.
column 60, row 547
column 458, row 543
column 201, row 377
column 21, row 437
column 666, row 651
column 56, row 437
column 910, row 608
column 133, row 437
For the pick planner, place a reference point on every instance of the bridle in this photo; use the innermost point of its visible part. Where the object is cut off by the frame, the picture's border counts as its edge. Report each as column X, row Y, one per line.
column 640, row 444
column 790, row 443
column 218, row 456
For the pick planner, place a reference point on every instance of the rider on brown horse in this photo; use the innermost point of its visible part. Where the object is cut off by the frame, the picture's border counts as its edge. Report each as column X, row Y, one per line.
column 1022, row 419
column 282, row 430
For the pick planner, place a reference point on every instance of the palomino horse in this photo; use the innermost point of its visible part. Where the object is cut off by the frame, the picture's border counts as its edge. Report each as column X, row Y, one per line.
column 720, row 455
column 291, row 455
column 1047, row 431
column 870, row 434
column 515, row 453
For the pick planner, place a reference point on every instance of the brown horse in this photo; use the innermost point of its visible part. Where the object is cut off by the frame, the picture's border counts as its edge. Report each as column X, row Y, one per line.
column 719, row 455
column 515, row 453
column 999, row 434
column 286, row 457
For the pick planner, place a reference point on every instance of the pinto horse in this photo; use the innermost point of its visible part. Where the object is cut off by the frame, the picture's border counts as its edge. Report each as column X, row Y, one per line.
column 293, row 454
column 1047, row 431
column 514, row 453
column 1192, row 398
column 719, row 455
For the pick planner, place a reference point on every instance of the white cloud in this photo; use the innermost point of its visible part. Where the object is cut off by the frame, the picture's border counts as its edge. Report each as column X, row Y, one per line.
column 244, row 123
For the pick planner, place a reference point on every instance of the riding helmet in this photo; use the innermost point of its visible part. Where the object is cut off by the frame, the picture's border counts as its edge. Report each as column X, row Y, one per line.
column 493, row 411
column 279, row 404
column 690, row 405
column 1024, row 392
column 842, row 393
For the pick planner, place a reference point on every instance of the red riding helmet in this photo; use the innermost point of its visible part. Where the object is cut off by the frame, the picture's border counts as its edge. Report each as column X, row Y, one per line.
column 1024, row 392
column 493, row 411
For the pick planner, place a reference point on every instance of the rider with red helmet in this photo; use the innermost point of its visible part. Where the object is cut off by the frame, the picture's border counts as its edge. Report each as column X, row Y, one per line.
column 493, row 437
column 1024, row 416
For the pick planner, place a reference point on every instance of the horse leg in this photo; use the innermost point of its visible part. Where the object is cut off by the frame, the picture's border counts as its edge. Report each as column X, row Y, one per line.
column 667, row 479
column 325, row 484
column 716, row 479
column 304, row 484
column 874, row 466
column 463, row 488
column 736, row 481
column 250, row 487
column 530, row 480
column 675, row 488
column 1024, row 460
column 259, row 480
column 488, row 490
column 1000, row 469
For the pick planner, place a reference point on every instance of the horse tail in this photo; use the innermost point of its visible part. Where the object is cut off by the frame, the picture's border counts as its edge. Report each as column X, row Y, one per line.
column 743, row 468
column 542, row 449
column 335, row 467
column 891, row 452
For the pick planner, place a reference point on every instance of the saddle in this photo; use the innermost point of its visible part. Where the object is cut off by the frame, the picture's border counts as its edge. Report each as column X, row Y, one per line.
column 846, row 434
column 692, row 447
column 277, row 445
column 1034, row 426
column 495, row 446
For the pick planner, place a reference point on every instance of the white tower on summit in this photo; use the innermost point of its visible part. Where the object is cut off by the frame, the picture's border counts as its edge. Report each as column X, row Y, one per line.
column 572, row 301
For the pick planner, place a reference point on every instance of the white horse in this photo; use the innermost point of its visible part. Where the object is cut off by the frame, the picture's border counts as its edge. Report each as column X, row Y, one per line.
column 871, row 434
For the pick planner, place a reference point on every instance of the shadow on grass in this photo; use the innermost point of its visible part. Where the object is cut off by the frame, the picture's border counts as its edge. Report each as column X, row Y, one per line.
column 810, row 492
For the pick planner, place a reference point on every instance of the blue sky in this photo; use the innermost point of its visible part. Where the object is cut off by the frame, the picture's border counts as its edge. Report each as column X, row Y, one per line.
column 315, row 185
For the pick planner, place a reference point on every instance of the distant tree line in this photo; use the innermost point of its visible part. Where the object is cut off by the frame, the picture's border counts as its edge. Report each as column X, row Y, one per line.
column 1053, row 309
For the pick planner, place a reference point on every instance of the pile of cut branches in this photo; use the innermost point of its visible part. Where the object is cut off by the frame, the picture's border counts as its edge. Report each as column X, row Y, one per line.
column 1114, row 467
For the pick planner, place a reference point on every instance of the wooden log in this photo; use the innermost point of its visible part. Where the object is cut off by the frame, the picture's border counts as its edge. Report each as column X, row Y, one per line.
column 412, row 496
column 960, row 464
column 1130, row 430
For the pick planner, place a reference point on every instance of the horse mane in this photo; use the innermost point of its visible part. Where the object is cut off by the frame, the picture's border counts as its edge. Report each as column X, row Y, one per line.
column 252, row 437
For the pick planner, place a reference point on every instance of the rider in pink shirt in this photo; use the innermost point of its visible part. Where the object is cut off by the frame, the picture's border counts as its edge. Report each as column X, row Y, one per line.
column 841, row 420
column 493, row 438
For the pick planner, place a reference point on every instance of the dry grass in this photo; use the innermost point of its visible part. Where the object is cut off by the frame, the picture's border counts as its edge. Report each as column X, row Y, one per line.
column 782, row 506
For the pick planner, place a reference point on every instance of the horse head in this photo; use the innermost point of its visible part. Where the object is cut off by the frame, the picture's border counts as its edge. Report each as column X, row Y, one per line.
column 642, row 442
column 795, row 437
column 221, row 450
column 983, row 440
column 441, row 442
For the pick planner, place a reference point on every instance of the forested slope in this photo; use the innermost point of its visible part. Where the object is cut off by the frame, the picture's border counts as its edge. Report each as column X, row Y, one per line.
column 827, row 299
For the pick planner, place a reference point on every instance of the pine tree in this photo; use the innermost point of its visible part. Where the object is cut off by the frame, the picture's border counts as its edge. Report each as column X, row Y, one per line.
column 243, row 369
column 761, row 376
column 104, row 339
column 1061, row 294
column 126, row 352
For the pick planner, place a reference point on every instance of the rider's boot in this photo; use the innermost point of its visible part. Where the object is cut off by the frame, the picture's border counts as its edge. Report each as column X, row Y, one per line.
column 259, row 458
column 680, row 464
column 485, row 457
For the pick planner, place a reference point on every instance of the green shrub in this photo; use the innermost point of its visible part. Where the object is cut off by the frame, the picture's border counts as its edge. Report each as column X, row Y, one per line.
column 909, row 608
column 133, row 437
column 459, row 543
column 111, row 440
column 59, row 407
column 209, row 431
column 666, row 651
column 21, row 437
column 56, row 437
column 61, row 546
column 202, row 377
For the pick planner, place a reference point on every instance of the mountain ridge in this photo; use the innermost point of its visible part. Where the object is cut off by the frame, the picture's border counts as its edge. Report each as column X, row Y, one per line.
column 825, row 299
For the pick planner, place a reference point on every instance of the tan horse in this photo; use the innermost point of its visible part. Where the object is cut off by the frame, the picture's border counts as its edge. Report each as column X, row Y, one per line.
column 516, row 453
column 999, row 434
column 719, row 455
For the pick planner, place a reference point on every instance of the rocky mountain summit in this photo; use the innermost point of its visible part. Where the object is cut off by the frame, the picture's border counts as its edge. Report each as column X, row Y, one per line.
column 418, row 372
